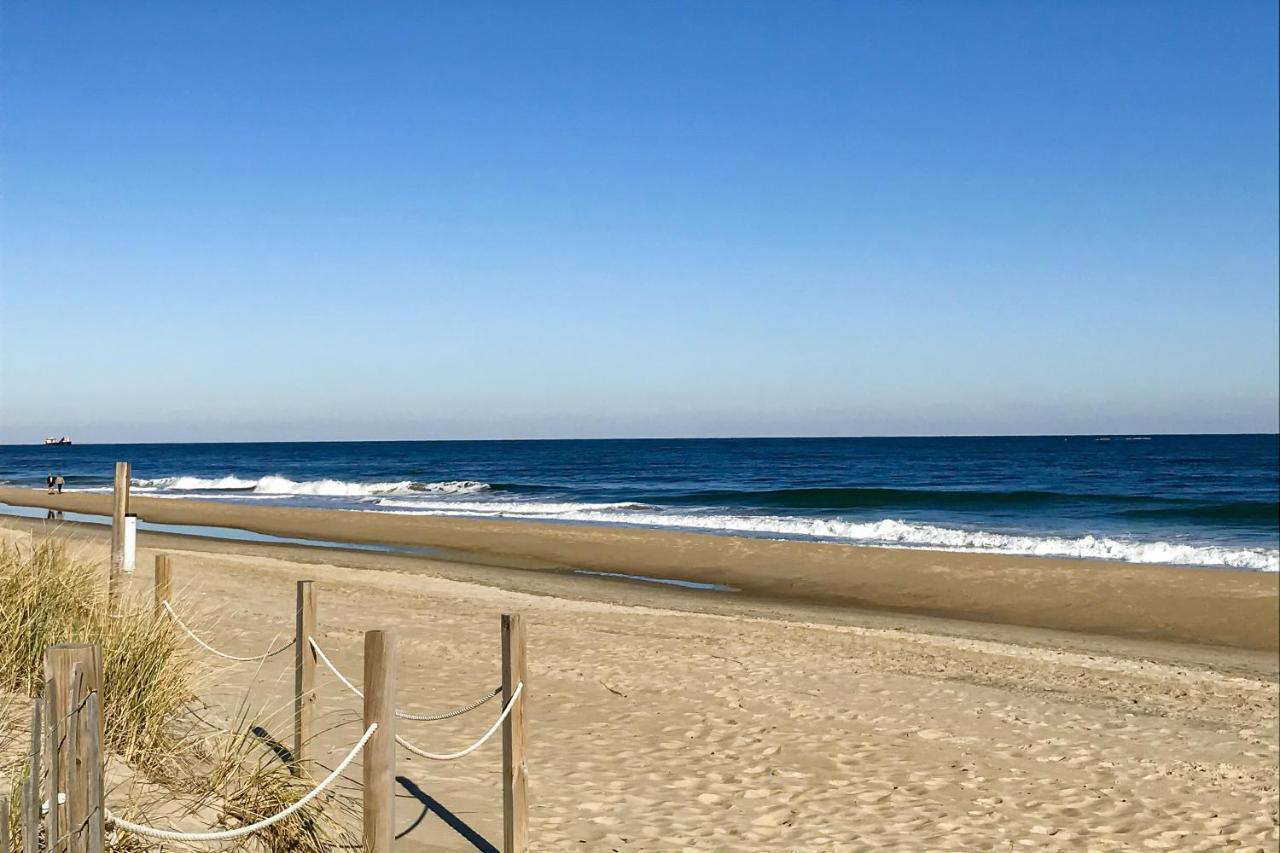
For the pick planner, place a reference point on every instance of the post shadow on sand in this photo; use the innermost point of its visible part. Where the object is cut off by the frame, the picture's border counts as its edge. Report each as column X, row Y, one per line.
column 430, row 805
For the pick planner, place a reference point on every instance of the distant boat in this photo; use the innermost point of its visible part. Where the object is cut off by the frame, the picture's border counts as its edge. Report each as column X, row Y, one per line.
column 63, row 440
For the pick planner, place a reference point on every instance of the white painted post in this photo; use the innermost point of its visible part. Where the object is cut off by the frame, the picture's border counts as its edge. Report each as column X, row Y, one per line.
column 130, row 543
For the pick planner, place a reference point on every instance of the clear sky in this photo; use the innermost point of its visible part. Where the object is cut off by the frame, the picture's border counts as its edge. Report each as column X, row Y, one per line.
column 242, row 220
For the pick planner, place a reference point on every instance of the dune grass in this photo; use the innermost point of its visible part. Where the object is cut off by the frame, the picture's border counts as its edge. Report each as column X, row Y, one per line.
column 49, row 596
column 199, row 774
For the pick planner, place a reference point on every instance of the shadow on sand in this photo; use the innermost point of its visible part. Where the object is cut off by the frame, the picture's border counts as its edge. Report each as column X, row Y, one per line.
column 430, row 805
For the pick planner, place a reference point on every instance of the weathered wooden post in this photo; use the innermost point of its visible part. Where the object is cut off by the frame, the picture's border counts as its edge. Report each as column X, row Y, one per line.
column 380, row 751
column 90, row 722
column 164, row 583
column 515, row 803
column 304, row 676
column 4, row 822
column 74, row 779
column 120, row 508
column 31, row 791
column 30, row 815
column 52, row 762
column 73, row 670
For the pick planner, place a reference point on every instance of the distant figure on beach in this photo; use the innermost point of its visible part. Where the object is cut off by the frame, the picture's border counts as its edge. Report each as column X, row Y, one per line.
column 59, row 482
column 49, row 483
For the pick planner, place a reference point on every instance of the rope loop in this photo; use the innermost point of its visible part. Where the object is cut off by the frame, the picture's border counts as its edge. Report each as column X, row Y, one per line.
column 210, row 648
column 403, row 715
column 450, row 756
column 240, row 832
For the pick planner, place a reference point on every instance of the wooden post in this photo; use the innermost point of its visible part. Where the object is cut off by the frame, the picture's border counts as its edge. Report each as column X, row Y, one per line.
column 164, row 583
column 52, row 762
column 304, row 676
column 91, row 726
column 77, row 790
column 30, row 815
column 119, row 509
column 4, row 823
column 515, row 803
column 37, row 734
column 380, row 751
column 63, row 665
column 31, row 791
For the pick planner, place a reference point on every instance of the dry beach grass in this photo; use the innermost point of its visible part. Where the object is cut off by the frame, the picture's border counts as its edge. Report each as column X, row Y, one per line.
column 169, row 756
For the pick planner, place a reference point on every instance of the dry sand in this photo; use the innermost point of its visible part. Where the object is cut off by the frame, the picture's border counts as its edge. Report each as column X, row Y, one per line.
column 666, row 719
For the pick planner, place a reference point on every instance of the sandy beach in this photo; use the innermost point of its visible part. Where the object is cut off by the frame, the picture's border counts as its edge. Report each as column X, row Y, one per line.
column 670, row 719
column 833, row 427
column 1196, row 605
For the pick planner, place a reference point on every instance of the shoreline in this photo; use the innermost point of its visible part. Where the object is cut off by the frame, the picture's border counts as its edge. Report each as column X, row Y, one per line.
column 1213, row 607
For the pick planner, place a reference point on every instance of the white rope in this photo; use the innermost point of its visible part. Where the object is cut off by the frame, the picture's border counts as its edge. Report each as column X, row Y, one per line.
column 226, row 835
column 450, row 756
column 404, row 715
column 447, row 715
column 315, row 647
column 210, row 648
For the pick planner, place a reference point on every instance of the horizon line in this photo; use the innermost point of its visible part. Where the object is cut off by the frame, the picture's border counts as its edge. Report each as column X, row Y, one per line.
column 1148, row 434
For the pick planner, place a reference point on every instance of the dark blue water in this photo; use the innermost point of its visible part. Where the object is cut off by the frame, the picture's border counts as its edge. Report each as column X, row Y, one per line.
column 1202, row 500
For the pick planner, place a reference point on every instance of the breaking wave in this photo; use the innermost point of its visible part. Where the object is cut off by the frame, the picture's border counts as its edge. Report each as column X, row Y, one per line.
column 277, row 485
column 510, row 509
column 790, row 513
column 886, row 532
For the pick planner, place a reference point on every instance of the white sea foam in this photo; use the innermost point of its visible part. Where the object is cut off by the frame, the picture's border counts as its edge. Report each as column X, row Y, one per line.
column 194, row 483
column 277, row 485
column 451, row 487
column 887, row 532
column 234, row 497
column 465, row 498
column 521, row 509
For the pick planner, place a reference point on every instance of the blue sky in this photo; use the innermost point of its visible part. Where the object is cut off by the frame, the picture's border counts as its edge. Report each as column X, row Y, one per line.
column 314, row 221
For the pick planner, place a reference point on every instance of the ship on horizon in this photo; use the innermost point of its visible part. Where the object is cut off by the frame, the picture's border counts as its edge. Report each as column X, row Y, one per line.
column 63, row 440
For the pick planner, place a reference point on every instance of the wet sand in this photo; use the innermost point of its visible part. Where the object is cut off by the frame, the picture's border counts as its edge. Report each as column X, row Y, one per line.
column 1189, row 605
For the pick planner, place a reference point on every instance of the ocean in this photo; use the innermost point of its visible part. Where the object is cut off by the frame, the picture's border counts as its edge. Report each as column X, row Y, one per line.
column 1205, row 500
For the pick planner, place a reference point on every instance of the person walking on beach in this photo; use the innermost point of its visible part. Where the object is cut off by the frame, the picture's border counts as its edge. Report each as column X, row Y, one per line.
column 59, row 482
column 48, row 481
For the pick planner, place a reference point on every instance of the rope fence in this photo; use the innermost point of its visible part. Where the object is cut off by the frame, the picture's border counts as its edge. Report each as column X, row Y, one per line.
column 446, row 715
column 71, row 771
column 462, row 753
column 81, row 691
column 403, row 715
column 240, row 832
column 209, row 648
